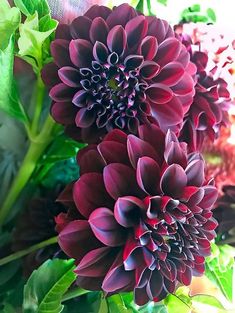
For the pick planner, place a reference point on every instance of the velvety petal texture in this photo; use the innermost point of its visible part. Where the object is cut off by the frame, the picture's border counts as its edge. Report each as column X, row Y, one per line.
column 209, row 110
column 145, row 214
column 118, row 69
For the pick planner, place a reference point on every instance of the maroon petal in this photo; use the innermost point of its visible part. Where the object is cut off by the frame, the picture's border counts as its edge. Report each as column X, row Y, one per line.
column 80, row 51
column 50, row 75
column 79, row 98
column 116, row 135
column 138, row 148
column 117, row 279
column 69, row 76
column 117, row 39
column 173, row 180
column 133, row 61
column 98, row 10
column 100, row 52
column 99, row 30
column 149, row 69
column 89, row 193
column 184, row 86
column 140, row 296
column 74, row 235
column 121, row 15
column 89, row 160
column 168, row 114
column 168, row 51
column 62, row 32
column 195, row 173
column 113, row 152
column 153, row 24
column 136, row 30
column 175, row 154
column 149, row 47
column 170, row 74
column 61, row 93
column 63, row 112
column 148, row 175
column 96, row 263
column 105, row 227
column 186, row 277
column 149, row 133
column 155, row 285
column 209, row 198
column 85, row 118
column 127, row 210
column 120, row 181
column 80, row 27
column 60, row 52
column 159, row 93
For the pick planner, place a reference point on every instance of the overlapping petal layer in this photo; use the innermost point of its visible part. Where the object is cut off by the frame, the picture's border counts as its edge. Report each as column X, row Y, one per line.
column 118, row 69
column 146, row 220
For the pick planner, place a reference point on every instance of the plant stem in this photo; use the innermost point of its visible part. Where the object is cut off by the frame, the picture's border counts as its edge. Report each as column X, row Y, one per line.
column 40, row 91
column 35, row 151
column 73, row 293
column 20, row 254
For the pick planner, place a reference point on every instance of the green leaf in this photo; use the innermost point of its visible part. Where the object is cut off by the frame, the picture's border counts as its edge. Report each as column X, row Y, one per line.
column 164, row 2
column 29, row 7
column 208, row 300
column 33, row 34
column 116, row 304
column 9, row 98
column 175, row 305
column 220, row 269
column 211, row 14
column 103, row 306
column 9, row 22
column 44, row 290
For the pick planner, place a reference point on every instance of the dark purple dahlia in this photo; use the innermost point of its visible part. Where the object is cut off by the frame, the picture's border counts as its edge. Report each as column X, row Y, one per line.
column 118, row 69
column 209, row 110
column 225, row 215
column 146, row 215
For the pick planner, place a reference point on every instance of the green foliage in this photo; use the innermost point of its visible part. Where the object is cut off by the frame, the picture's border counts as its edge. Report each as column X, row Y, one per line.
column 220, row 268
column 9, row 98
column 44, row 290
column 9, row 22
column 29, row 7
column 182, row 302
column 194, row 14
column 34, row 33
column 164, row 2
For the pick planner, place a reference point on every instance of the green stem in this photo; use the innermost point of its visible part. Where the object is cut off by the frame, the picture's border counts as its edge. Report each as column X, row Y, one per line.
column 21, row 253
column 40, row 91
column 73, row 293
column 35, row 151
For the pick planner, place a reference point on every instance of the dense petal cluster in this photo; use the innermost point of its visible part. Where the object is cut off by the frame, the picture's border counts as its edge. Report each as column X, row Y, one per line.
column 209, row 110
column 145, row 215
column 118, row 69
column 225, row 215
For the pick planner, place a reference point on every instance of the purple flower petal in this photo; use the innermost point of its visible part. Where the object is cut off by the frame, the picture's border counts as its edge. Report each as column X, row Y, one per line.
column 148, row 175
column 89, row 194
column 80, row 51
column 117, row 39
column 99, row 30
column 105, row 227
column 173, row 180
column 80, row 27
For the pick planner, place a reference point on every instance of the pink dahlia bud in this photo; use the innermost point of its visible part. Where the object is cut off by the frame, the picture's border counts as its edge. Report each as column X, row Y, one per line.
column 117, row 69
column 209, row 110
column 146, row 215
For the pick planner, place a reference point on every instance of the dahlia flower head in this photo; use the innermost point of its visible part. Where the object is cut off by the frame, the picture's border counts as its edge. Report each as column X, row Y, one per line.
column 209, row 110
column 118, row 69
column 144, row 215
